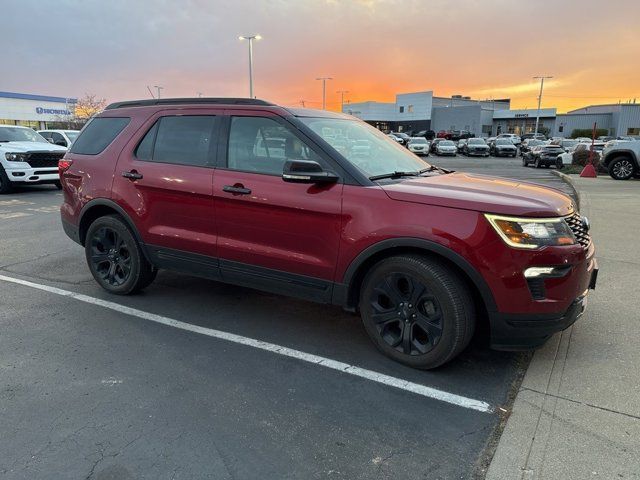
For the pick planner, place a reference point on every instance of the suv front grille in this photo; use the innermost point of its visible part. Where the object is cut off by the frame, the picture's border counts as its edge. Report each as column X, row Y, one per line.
column 44, row 159
column 577, row 227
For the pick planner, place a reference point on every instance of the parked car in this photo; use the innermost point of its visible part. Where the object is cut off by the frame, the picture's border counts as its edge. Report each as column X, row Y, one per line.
column 419, row 145
column 460, row 144
column 446, row 147
column 63, row 138
column 395, row 139
column 537, row 136
column 605, row 138
column 515, row 139
column 476, row 147
column 568, row 157
column 444, row 134
column 583, row 140
column 402, row 136
column 146, row 187
column 566, row 143
column 26, row 158
column 528, row 144
column 622, row 159
column 434, row 144
column 428, row 134
column 544, row 156
column 502, row 147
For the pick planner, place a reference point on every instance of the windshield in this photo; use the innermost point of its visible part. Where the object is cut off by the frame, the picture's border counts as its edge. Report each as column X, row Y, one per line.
column 382, row 154
column 446, row 143
column 476, row 141
column 17, row 134
column 72, row 134
column 503, row 141
column 418, row 140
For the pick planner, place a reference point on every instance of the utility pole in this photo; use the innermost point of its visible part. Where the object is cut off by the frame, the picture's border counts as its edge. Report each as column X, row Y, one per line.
column 158, row 88
column 302, row 103
column 542, row 78
column 342, row 92
column 250, row 38
column 324, row 90
column 150, row 92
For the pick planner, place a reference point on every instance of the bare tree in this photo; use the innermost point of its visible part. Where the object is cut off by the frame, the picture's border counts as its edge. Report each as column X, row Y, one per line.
column 87, row 106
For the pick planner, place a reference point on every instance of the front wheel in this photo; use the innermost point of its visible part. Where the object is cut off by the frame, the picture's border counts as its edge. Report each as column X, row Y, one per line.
column 559, row 164
column 5, row 183
column 621, row 168
column 115, row 258
column 417, row 310
column 537, row 163
column 58, row 185
column 525, row 163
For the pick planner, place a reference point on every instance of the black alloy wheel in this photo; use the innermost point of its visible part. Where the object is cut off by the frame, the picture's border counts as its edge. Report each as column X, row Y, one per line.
column 115, row 258
column 417, row 311
column 110, row 256
column 5, row 183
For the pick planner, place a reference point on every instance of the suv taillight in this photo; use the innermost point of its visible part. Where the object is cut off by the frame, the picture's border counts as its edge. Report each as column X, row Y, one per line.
column 63, row 165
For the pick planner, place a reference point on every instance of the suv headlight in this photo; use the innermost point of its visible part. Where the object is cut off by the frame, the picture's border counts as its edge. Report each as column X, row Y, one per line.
column 16, row 157
column 532, row 232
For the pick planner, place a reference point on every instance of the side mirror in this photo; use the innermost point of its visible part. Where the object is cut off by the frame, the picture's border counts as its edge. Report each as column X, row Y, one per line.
column 49, row 139
column 306, row 171
column 62, row 143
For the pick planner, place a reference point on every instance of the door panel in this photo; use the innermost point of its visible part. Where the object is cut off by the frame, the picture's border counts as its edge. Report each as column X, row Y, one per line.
column 171, row 204
column 265, row 222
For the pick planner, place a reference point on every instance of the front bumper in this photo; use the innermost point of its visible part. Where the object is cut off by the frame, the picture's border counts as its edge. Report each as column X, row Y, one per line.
column 28, row 174
column 478, row 153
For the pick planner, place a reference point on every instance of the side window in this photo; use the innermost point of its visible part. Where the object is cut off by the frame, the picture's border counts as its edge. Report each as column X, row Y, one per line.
column 184, row 140
column 98, row 134
column 145, row 147
column 46, row 135
column 262, row 145
column 58, row 139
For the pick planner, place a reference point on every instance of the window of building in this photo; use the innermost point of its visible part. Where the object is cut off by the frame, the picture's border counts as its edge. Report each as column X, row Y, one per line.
column 633, row 131
column 410, row 109
column 262, row 145
column 402, row 109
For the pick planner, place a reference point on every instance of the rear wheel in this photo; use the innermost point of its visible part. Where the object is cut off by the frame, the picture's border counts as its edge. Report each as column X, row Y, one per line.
column 559, row 164
column 417, row 311
column 5, row 184
column 115, row 258
column 621, row 168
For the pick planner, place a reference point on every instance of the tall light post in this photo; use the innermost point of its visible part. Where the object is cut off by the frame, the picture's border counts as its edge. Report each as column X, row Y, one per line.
column 158, row 88
column 324, row 90
column 342, row 92
column 541, row 78
column 250, row 38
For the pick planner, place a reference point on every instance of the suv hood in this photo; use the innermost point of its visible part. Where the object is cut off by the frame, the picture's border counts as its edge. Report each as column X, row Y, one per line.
column 21, row 147
column 482, row 193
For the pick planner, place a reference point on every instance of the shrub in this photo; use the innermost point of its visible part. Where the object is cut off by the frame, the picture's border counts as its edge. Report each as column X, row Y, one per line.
column 581, row 158
column 587, row 132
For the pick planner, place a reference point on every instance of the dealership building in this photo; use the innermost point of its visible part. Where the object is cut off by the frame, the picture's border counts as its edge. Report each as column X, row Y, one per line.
column 415, row 112
column 35, row 111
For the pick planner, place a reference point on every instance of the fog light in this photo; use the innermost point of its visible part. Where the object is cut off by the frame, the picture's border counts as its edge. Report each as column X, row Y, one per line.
column 535, row 272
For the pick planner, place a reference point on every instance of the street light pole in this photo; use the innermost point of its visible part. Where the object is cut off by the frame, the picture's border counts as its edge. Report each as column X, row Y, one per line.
column 250, row 38
column 542, row 78
column 158, row 88
column 342, row 92
column 324, row 90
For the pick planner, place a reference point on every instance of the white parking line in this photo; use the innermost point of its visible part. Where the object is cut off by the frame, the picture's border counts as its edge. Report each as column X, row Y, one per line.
column 416, row 388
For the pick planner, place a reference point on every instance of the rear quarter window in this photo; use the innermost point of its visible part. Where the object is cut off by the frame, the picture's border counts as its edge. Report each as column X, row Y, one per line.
column 98, row 134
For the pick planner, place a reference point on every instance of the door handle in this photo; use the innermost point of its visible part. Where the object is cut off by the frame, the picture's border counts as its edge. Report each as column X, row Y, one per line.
column 132, row 175
column 236, row 189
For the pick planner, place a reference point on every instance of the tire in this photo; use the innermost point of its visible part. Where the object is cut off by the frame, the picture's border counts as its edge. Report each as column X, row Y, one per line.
column 58, row 185
column 115, row 258
column 525, row 163
column 621, row 168
column 5, row 183
column 559, row 164
column 400, row 294
column 537, row 163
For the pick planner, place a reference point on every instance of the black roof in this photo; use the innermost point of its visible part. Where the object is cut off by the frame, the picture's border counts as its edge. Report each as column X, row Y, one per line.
column 190, row 101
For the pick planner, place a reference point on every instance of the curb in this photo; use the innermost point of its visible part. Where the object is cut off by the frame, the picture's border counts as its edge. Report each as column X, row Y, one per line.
column 567, row 179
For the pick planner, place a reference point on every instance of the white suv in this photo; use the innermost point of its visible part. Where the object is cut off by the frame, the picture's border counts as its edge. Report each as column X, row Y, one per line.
column 64, row 138
column 515, row 139
column 26, row 158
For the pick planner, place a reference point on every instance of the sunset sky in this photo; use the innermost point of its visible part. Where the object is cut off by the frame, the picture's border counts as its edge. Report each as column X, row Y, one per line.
column 372, row 48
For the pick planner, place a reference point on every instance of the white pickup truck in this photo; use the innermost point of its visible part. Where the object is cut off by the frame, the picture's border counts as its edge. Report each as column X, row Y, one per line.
column 27, row 158
column 622, row 159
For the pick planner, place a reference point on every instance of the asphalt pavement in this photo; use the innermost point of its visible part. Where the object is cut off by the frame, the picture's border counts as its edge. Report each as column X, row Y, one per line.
column 87, row 391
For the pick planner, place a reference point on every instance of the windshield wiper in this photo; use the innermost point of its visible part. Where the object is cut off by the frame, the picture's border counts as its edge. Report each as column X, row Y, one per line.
column 395, row 174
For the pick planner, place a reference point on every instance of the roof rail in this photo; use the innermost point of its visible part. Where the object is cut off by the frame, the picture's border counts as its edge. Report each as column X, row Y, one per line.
column 181, row 101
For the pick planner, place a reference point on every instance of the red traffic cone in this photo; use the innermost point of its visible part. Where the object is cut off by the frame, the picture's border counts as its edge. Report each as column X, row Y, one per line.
column 588, row 171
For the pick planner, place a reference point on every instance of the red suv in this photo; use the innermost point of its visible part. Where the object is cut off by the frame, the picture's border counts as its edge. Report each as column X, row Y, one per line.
column 322, row 206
